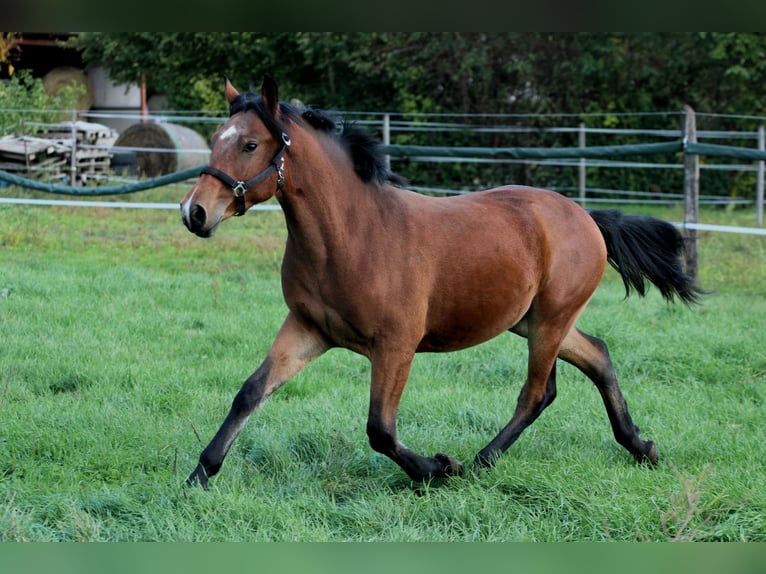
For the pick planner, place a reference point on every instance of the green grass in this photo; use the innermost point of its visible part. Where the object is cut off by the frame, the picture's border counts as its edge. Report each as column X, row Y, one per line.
column 123, row 339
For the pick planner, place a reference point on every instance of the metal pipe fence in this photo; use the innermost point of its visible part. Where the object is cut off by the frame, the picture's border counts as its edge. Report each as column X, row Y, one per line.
column 587, row 161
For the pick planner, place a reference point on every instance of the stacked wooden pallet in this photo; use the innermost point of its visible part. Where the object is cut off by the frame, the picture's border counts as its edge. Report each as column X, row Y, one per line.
column 34, row 157
column 47, row 156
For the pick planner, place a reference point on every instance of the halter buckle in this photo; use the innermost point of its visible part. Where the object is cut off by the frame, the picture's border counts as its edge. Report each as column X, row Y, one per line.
column 239, row 189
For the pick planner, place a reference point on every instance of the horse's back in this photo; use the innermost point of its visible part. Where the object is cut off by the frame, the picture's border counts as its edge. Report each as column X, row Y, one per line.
column 538, row 222
column 523, row 202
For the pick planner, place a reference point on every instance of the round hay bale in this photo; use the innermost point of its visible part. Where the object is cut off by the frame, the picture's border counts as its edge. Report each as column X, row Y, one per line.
column 59, row 78
column 184, row 147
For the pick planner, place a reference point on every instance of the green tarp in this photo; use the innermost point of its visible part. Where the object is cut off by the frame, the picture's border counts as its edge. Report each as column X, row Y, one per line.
column 746, row 154
column 101, row 190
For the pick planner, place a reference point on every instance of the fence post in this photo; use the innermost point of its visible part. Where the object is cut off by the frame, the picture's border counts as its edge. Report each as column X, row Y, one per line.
column 759, row 182
column 582, row 165
column 387, row 138
column 73, row 158
column 691, row 190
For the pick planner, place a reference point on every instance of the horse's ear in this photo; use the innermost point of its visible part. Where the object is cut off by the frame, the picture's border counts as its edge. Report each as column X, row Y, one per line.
column 230, row 91
column 270, row 95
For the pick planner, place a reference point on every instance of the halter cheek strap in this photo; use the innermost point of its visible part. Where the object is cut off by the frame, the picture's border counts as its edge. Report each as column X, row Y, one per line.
column 240, row 187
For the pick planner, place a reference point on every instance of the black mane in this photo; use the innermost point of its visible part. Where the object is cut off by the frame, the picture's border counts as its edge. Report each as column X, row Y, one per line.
column 362, row 147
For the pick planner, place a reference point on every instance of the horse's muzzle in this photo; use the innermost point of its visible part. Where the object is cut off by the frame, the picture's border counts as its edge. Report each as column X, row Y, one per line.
column 194, row 218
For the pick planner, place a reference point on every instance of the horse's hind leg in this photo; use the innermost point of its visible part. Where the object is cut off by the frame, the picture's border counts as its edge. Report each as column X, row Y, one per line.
column 591, row 356
column 538, row 391
column 295, row 346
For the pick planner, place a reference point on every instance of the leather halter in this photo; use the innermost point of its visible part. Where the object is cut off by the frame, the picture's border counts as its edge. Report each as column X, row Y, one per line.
column 240, row 187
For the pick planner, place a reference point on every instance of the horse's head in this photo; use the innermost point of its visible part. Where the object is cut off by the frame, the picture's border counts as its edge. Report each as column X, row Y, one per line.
column 246, row 163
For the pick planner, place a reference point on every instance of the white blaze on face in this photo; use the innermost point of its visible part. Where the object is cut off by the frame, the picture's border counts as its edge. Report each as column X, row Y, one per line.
column 186, row 206
column 228, row 132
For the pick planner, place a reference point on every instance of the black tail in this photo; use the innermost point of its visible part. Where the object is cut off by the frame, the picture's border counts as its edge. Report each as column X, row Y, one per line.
column 640, row 248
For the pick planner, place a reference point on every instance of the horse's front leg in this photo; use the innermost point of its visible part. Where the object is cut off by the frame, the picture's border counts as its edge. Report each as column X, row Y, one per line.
column 296, row 344
column 390, row 371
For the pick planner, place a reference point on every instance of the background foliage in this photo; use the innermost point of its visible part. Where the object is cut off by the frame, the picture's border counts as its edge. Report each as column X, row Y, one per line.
column 23, row 92
column 608, row 74
column 457, row 72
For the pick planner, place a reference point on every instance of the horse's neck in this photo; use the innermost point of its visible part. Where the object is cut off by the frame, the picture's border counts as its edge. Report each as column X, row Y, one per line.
column 326, row 205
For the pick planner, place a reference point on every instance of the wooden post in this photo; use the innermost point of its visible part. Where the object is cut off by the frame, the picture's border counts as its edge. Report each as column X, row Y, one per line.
column 691, row 191
column 73, row 158
column 759, row 182
column 387, row 138
column 582, row 165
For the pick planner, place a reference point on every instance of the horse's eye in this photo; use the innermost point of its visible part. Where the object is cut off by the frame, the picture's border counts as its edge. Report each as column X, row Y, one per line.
column 250, row 146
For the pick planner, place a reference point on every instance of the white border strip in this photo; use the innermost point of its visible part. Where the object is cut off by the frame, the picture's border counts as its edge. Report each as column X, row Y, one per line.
column 269, row 207
column 724, row 228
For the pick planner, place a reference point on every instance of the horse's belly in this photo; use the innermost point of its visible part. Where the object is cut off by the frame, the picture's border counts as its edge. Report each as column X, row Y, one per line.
column 461, row 337
column 435, row 342
column 455, row 327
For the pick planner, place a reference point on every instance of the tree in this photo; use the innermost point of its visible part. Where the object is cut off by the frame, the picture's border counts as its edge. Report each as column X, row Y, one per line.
column 611, row 74
column 26, row 103
column 9, row 48
column 461, row 72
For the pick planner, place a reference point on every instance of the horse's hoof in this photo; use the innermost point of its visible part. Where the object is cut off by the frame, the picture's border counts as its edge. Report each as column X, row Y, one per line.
column 652, row 457
column 197, row 478
column 450, row 466
column 649, row 457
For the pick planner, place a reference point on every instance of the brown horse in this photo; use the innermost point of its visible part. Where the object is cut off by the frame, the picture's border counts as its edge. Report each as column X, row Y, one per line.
column 387, row 273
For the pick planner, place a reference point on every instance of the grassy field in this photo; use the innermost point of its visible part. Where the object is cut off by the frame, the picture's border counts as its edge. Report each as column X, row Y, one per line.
column 123, row 339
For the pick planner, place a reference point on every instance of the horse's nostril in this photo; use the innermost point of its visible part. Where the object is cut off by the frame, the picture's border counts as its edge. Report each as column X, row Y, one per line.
column 197, row 217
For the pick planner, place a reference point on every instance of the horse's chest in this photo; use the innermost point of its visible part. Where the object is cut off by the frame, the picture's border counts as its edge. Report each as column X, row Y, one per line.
column 340, row 313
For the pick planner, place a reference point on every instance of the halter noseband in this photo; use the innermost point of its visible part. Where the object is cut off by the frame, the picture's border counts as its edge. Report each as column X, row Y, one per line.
column 240, row 187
